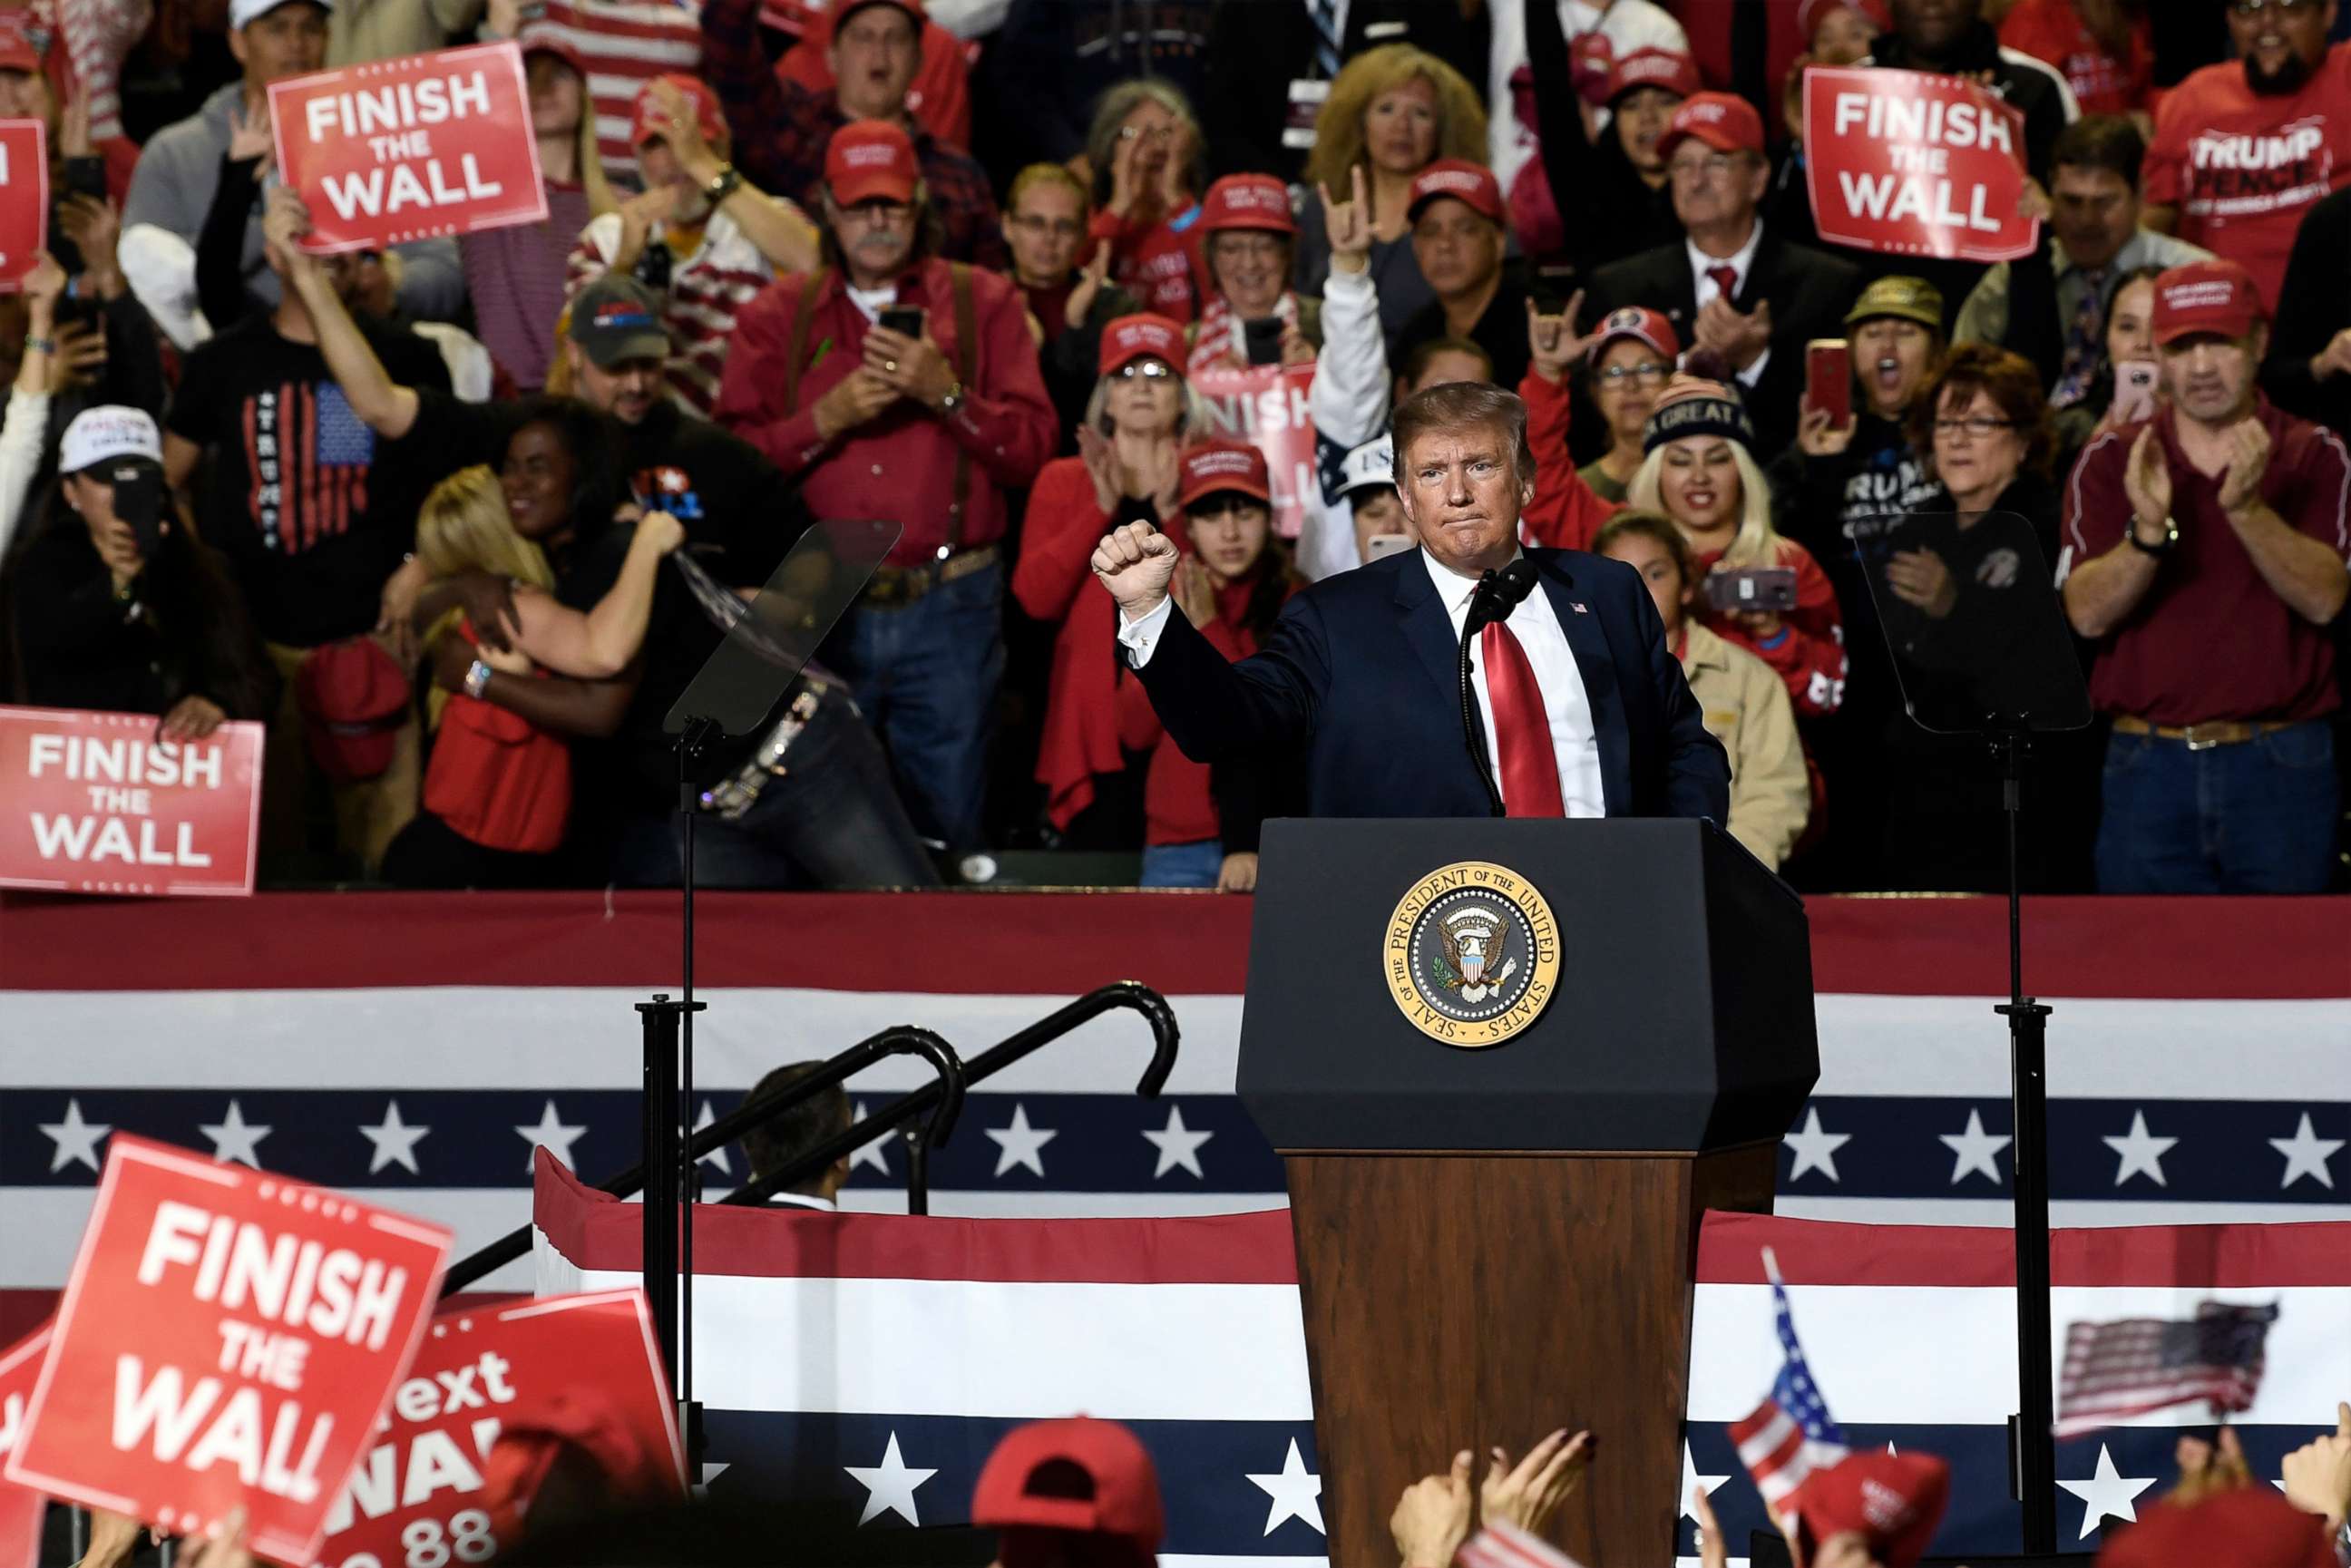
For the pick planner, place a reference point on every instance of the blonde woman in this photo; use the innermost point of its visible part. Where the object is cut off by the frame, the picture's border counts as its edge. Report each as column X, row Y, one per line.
column 498, row 792
column 515, row 275
column 1699, row 473
column 1392, row 112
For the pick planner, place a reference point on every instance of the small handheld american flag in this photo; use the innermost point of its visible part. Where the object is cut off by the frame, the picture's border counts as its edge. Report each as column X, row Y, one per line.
column 1790, row 1435
column 2136, row 1364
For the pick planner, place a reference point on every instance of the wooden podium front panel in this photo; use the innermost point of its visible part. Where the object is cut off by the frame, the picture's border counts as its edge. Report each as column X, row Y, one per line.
column 1462, row 1300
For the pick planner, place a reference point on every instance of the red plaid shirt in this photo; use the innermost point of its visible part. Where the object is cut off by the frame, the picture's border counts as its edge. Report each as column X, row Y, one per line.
column 902, row 464
column 781, row 129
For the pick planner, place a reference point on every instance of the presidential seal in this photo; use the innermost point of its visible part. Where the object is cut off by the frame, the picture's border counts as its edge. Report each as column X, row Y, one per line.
column 1472, row 954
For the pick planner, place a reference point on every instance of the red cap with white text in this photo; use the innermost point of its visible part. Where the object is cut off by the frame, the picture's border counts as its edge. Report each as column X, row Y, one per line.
column 1638, row 321
column 1215, row 466
column 2216, row 297
column 1248, row 202
column 1894, row 1500
column 869, row 159
column 1724, row 122
column 1669, row 70
column 1132, row 338
column 1472, row 183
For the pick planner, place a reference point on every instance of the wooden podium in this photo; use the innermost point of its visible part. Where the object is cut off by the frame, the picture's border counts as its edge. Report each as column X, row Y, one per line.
column 1508, row 1064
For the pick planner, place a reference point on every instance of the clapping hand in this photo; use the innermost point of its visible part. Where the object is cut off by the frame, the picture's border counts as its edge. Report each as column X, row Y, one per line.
column 1081, row 302
column 2147, row 484
column 1432, row 1518
column 1740, row 337
column 2248, row 460
column 1529, row 1492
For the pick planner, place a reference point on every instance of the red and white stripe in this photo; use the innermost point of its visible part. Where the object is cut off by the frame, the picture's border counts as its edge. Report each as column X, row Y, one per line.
column 625, row 44
column 706, row 290
column 1774, row 1450
column 1504, row 1545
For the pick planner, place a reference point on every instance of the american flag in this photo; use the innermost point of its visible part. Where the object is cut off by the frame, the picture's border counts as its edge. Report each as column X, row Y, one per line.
column 2136, row 1364
column 1504, row 1545
column 310, row 455
column 1790, row 1435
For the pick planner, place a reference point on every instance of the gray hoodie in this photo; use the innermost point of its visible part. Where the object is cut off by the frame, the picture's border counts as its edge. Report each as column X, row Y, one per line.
column 172, row 188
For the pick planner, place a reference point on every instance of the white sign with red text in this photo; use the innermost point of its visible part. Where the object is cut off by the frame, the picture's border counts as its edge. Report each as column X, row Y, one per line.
column 1265, row 405
column 96, row 803
column 409, row 149
column 419, row 1497
column 1914, row 164
column 226, row 1338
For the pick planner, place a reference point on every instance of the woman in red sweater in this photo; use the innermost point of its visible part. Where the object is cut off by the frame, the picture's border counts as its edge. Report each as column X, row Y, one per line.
column 1150, row 162
column 1699, row 473
column 1200, row 827
column 1126, row 471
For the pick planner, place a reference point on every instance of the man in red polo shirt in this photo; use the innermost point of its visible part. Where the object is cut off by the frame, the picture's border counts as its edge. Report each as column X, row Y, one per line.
column 2245, row 147
column 927, row 428
column 2204, row 554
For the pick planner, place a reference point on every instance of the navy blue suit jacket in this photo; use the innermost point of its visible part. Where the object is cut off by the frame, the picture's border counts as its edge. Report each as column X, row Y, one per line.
column 1361, row 672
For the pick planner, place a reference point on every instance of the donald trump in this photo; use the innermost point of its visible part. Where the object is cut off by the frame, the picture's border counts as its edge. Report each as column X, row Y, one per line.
column 1582, row 709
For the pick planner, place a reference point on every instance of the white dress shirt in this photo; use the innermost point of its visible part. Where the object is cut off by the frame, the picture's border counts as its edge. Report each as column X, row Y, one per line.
column 802, row 1200
column 1738, row 263
column 1575, row 743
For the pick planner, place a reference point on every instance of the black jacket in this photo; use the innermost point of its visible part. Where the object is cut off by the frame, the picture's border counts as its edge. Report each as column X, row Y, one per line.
column 1501, row 332
column 2314, row 304
column 1593, row 179
column 1810, row 291
column 1257, row 48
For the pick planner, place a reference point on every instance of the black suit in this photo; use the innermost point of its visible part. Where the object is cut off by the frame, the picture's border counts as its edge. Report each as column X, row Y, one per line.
column 1256, row 48
column 1810, row 291
column 1361, row 671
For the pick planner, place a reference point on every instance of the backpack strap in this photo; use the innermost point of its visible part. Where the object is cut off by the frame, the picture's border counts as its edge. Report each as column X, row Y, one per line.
column 798, row 346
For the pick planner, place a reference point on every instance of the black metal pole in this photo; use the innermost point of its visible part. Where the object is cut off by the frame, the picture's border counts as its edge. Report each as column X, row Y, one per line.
column 689, row 1421
column 918, row 1167
column 660, row 1019
column 2033, row 1450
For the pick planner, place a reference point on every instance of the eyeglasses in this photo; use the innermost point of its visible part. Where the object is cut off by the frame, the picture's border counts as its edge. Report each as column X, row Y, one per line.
column 1060, row 228
column 1978, row 426
column 1713, row 166
column 1146, row 133
column 1648, row 373
column 878, row 214
column 1148, row 370
column 2251, row 10
column 1252, row 248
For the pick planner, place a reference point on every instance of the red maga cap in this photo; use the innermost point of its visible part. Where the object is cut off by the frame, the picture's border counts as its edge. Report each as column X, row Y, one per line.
column 543, row 38
column 1894, row 1500
column 2213, row 295
column 1638, row 321
column 871, row 158
column 843, row 9
column 1248, row 202
column 1724, row 122
column 1079, row 1474
column 1670, row 70
column 644, row 127
column 1591, row 59
column 1465, row 182
column 18, row 51
column 2254, row 1527
column 1132, row 338
column 1215, row 466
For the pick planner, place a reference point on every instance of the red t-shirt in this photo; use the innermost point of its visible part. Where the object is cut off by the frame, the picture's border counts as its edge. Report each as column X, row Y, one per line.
column 2052, row 30
column 2242, row 168
column 1161, row 260
column 2159, row 664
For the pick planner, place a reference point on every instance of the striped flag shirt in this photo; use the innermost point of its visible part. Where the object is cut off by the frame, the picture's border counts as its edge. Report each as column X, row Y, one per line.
column 625, row 44
column 309, row 455
column 2133, row 1365
column 1790, row 1435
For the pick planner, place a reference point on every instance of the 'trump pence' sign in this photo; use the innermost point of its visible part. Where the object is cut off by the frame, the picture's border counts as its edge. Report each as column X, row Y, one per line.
column 95, row 803
column 1915, row 164
column 226, row 1338
column 408, row 149
column 24, row 199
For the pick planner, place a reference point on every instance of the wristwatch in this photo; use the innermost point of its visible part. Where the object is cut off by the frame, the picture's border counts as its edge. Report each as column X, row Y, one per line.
column 952, row 401
column 722, row 184
column 477, row 679
column 2170, row 537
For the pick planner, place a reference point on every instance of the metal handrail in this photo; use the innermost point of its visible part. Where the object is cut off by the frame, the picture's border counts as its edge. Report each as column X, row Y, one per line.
column 943, row 1099
column 1132, row 995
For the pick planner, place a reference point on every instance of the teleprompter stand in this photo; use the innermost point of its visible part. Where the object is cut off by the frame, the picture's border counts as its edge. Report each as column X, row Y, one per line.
column 1981, row 647
column 764, row 642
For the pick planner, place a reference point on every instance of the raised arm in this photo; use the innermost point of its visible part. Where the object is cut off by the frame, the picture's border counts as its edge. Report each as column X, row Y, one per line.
column 385, row 407
column 599, row 643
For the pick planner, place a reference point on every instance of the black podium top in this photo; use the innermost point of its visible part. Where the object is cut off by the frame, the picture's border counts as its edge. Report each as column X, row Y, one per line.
column 1654, row 993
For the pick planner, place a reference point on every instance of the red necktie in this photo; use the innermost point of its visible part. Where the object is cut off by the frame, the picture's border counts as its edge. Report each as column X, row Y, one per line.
column 1727, row 279
column 1528, row 765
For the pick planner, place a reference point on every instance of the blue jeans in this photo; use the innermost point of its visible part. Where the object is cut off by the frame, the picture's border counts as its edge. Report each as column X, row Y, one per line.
column 925, row 675
column 2254, row 817
column 1183, row 865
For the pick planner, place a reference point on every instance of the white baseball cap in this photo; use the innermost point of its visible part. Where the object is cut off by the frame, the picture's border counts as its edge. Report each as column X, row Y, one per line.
column 1372, row 463
column 110, row 431
column 241, row 11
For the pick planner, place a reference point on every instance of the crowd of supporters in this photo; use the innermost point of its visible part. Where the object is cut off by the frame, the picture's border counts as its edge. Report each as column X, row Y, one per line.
column 460, row 520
